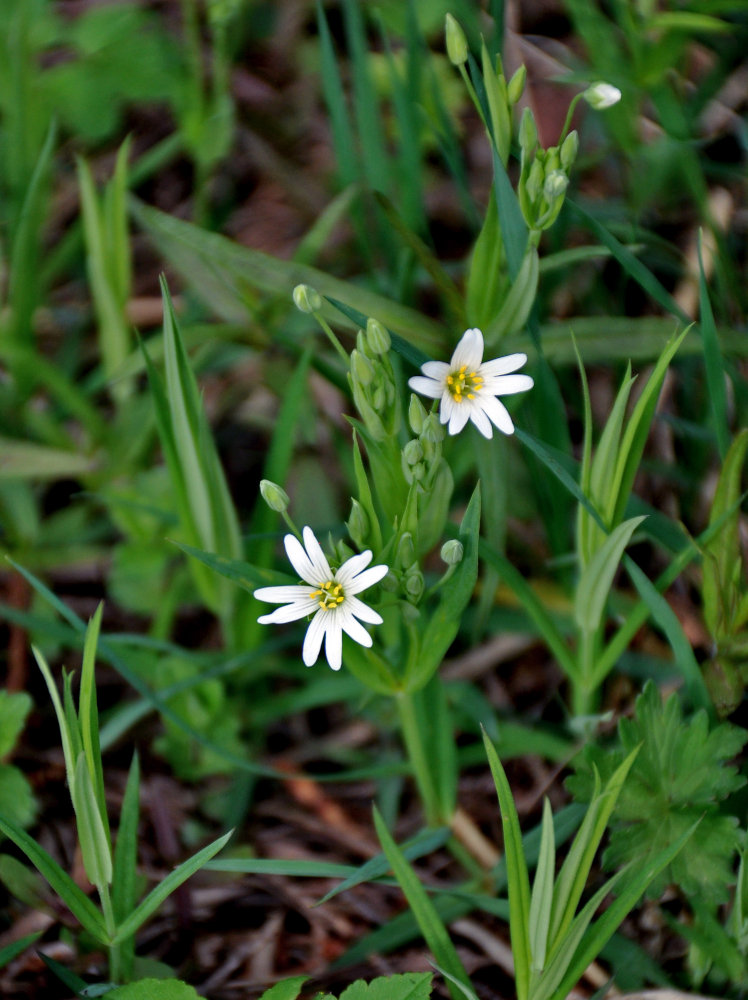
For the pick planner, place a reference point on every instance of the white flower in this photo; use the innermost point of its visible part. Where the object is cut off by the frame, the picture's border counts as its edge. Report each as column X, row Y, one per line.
column 330, row 595
column 602, row 95
column 468, row 386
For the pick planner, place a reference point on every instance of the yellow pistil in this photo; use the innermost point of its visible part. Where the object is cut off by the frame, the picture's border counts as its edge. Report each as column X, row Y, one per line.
column 330, row 595
column 463, row 384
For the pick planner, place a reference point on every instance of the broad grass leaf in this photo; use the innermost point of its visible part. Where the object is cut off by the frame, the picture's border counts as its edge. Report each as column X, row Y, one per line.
column 597, row 577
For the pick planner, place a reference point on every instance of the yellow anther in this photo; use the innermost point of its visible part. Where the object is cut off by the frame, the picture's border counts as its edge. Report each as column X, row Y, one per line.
column 450, row 380
column 471, row 395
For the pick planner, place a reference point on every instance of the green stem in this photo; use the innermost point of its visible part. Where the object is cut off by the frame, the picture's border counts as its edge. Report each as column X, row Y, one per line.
column 115, row 953
column 418, row 756
column 584, row 691
column 333, row 339
column 569, row 116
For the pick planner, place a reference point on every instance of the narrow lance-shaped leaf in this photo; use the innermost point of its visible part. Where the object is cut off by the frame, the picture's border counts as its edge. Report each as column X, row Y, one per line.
column 541, row 900
column 93, row 838
column 596, row 580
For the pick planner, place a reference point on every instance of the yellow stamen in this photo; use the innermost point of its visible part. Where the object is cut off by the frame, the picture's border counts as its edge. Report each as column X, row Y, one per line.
column 463, row 384
column 330, row 594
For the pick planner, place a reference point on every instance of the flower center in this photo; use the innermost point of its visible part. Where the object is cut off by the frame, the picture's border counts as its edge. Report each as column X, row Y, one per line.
column 330, row 595
column 463, row 384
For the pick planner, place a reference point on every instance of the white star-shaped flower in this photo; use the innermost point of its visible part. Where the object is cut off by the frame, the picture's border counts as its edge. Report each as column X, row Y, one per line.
column 468, row 386
column 330, row 596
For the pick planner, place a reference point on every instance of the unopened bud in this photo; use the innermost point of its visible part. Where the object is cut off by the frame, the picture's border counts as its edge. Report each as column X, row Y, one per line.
column 528, row 132
column 378, row 337
column 457, row 47
column 452, row 552
column 406, row 550
column 307, row 299
column 379, row 398
column 358, row 524
column 535, row 180
column 362, row 368
column 413, row 452
column 433, row 429
column 413, row 583
column 516, row 85
column 569, row 149
column 555, row 186
column 390, row 583
column 274, row 496
column 602, row 95
column 416, row 414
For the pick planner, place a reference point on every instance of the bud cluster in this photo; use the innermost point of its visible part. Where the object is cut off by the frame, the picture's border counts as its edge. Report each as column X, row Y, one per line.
column 373, row 383
column 544, row 174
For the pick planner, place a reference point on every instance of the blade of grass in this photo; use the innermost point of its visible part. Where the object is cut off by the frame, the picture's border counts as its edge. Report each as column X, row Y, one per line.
column 715, row 371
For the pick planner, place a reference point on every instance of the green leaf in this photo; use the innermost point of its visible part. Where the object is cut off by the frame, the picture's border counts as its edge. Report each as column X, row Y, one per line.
column 173, row 880
column 287, row 989
column 406, row 986
column 14, row 708
column 94, row 842
column 432, row 928
column 124, row 879
column 541, row 901
column 17, row 801
column 244, row 574
column 88, row 715
column 597, row 577
column 517, row 877
column 26, row 460
column 154, row 989
column 76, row 901
column 713, row 363
column 11, row 951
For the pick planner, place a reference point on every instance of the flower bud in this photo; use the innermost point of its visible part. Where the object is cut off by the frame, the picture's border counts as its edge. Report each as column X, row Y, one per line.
column 528, row 132
column 516, row 85
column 534, row 181
column 416, row 414
column 379, row 398
column 569, row 149
column 377, row 336
column 602, row 95
column 390, row 583
column 555, row 186
column 413, row 583
column 307, row 299
column 406, row 550
column 362, row 369
column 457, row 47
column 433, row 429
column 274, row 496
column 452, row 552
column 413, row 452
column 358, row 524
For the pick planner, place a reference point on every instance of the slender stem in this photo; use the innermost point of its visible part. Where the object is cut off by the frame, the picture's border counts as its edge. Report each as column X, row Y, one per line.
column 569, row 116
column 332, row 338
column 584, row 692
column 418, row 756
column 287, row 518
column 115, row 953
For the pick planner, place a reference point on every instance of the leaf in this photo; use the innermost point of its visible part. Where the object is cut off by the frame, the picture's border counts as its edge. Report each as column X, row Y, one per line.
column 244, row 574
column 14, row 708
column 405, row 986
column 11, row 951
column 26, row 460
column 154, row 989
column 597, row 577
column 126, row 847
column 517, row 877
column 713, row 363
column 432, row 928
column 287, row 989
column 96, row 850
column 173, row 880
column 541, row 901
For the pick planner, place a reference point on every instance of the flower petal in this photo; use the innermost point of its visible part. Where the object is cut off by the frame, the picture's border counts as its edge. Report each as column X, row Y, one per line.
column 460, row 416
column 317, row 556
column 502, row 366
column 300, row 560
column 365, row 579
column 446, row 408
column 351, row 567
column 426, row 386
column 469, row 351
column 436, row 369
column 481, row 421
column 497, row 413
column 313, row 638
column 355, row 630
column 362, row 611
column 282, row 595
column 288, row 613
column 334, row 641
column 507, row 385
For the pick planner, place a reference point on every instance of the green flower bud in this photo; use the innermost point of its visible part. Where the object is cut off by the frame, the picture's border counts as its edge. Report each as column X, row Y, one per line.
column 433, row 429
column 363, row 370
column 413, row 452
column 378, row 337
column 379, row 398
column 358, row 524
column 274, row 496
column 516, row 85
column 452, row 552
column 361, row 344
column 413, row 583
column 416, row 414
column 602, row 95
column 552, row 160
column 457, row 47
column 406, row 550
column 528, row 132
column 534, row 182
column 307, row 299
column 390, row 583
column 569, row 149
column 555, row 186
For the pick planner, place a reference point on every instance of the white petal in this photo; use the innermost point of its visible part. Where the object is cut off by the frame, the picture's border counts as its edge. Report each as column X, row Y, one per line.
column 317, row 556
column 426, row 386
column 460, row 416
column 502, row 366
column 498, row 414
column 362, row 611
column 481, row 421
column 313, row 637
column 351, row 567
column 288, row 613
column 366, row 579
column 436, row 369
column 469, row 351
column 355, row 630
column 446, row 408
column 507, row 385
column 300, row 560
column 334, row 642
column 282, row 595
